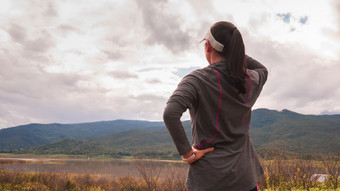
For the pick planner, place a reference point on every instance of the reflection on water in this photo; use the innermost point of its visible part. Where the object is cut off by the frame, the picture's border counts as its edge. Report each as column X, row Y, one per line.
column 114, row 167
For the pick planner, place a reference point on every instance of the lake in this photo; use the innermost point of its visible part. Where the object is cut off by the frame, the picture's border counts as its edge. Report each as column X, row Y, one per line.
column 110, row 167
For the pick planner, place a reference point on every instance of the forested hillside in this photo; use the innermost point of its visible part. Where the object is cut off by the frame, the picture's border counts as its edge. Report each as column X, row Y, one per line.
column 300, row 133
column 26, row 136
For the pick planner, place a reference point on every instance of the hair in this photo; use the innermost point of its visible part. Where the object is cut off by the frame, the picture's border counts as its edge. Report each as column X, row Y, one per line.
column 234, row 52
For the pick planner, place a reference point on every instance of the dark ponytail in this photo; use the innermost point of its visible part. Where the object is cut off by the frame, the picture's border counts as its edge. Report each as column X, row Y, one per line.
column 233, row 51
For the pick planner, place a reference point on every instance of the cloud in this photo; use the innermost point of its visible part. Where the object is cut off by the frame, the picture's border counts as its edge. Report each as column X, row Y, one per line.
column 163, row 27
column 337, row 11
column 41, row 43
column 114, row 55
column 122, row 75
column 299, row 79
column 66, row 29
column 256, row 23
column 29, row 94
column 50, row 10
column 17, row 33
column 149, row 105
column 154, row 81
column 66, row 62
column 181, row 72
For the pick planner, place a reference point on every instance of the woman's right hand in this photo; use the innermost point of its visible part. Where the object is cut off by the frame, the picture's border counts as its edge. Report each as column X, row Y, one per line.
column 199, row 154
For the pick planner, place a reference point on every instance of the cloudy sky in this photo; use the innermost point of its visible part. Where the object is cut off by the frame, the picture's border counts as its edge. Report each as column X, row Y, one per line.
column 82, row 61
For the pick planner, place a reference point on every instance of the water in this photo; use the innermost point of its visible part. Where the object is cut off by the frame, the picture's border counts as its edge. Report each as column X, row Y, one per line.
column 113, row 167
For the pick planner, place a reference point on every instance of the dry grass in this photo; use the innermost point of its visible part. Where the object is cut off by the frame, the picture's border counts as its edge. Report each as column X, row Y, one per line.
column 150, row 172
column 31, row 181
column 282, row 172
column 34, row 181
column 289, row 172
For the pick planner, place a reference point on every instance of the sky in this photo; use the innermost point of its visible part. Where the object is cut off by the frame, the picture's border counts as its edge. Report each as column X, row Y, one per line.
column 71, row 61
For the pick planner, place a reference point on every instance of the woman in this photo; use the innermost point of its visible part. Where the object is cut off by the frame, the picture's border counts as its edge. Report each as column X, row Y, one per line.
column 219, row 98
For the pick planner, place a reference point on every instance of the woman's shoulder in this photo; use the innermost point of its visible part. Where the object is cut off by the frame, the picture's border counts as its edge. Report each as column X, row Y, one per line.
column 201, row 72
column 196, row 77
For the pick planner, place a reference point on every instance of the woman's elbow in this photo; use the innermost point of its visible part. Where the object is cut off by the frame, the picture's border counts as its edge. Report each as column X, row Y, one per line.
column 171, row 112
column 166, row 114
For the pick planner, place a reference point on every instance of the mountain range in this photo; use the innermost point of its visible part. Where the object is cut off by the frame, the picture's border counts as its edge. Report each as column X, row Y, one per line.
column 119, row 138
column 26, row 136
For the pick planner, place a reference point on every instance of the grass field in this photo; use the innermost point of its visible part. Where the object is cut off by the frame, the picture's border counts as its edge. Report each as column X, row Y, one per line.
column 280, row 174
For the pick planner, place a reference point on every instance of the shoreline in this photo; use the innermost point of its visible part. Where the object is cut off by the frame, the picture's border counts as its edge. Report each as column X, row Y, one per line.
column 48, row 158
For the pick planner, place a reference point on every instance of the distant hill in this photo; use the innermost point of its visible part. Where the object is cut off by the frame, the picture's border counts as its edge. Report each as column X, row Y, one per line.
column 305, row 133
column 26, row 136
column 151, row 143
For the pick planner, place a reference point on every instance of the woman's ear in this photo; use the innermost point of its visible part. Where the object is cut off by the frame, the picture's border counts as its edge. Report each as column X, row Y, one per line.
column 208, row 46
column 208, row 51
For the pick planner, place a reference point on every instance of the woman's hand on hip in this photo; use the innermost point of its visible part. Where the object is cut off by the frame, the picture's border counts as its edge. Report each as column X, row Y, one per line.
column 195, row 154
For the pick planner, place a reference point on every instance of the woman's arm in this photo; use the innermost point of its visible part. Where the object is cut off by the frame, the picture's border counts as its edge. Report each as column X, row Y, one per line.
column 184, row 97
column 253, row 64
column 172, row 119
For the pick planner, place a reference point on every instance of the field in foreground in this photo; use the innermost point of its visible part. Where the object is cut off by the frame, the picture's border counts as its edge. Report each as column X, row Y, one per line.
column 32, row 181
column 280, row 174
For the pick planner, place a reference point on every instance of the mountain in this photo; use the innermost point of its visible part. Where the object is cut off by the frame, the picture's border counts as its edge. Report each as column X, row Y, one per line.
column 304, row 133
column 307, row 133
column 26, row 136
column 155, row 143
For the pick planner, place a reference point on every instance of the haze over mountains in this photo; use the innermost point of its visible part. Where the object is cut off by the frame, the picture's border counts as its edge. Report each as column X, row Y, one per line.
column 305, row 133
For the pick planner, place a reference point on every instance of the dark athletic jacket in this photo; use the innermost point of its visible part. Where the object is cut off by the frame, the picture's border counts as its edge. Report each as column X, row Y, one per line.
column 220, row 117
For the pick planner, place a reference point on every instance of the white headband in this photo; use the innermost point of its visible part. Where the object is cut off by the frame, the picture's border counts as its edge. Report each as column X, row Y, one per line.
column 213, row 42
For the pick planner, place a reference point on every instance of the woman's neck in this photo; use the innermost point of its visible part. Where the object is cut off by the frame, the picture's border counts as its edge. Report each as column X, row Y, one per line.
column 215, row 57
